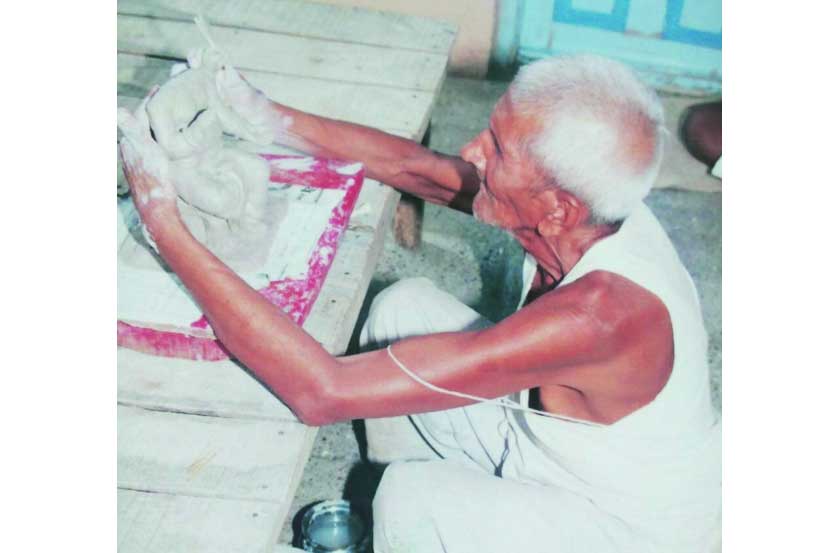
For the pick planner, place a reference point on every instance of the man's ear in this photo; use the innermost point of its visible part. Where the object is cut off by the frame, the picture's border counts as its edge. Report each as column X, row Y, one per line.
column 555, row 215
column 551, row 224
column 574, row 209
column 565, row 212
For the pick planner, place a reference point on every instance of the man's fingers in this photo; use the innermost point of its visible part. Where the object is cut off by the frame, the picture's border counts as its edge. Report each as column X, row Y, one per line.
column 128, row 123
column 194, row 57
column 153, row 89
column 178, row 68
column 215, row 60
column 230, row 84
column 129, row 152
column 125, row 118
column 141, row 114
column 146, row 173
column 136, row 133
column 136, row 124
column 209, row 58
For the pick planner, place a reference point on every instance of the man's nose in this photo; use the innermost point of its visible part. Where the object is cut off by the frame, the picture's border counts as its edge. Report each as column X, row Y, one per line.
column 473, row 152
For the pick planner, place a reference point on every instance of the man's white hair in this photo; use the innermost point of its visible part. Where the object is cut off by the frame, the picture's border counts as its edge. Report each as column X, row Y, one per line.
column 601, row 135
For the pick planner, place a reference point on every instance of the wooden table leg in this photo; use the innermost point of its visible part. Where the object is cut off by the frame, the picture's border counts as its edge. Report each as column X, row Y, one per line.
column 409, row 216
column 408, row 221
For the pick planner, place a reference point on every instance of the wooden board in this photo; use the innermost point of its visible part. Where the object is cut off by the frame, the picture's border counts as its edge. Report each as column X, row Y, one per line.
column 219, row 389
column 206, row 456
column 366, row 67
column 159, row 522
column 393, row 109
column 304, row 18
column 335, row 312
column 287, row 55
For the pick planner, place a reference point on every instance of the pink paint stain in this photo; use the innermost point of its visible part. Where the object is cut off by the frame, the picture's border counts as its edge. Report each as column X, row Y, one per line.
column 294, row 296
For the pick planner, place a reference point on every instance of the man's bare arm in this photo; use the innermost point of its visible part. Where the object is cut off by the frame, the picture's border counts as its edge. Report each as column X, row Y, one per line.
column 555, row 338
column 398, row 162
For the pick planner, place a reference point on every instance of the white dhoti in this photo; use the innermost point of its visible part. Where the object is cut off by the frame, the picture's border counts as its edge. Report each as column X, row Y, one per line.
column 413, row 307
column 444, row 490
column 434, row 506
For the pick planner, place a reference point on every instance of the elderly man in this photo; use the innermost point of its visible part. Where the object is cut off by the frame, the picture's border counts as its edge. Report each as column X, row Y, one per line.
column 582, row 422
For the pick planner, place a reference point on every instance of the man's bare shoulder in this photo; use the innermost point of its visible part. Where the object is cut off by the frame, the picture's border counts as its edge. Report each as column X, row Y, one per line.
column 609, row 296
column 625, row 327
column 600, row 314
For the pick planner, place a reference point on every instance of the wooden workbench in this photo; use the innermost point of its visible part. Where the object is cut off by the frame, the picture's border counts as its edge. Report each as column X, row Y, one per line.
column 208, row 459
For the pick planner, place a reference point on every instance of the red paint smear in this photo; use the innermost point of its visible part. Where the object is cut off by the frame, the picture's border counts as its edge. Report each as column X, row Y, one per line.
column 294, row 296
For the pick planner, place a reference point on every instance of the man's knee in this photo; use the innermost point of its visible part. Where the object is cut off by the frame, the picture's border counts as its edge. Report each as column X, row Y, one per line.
column 393, row 313
column 401, row 480
column 401, row 508
column 414, row 491
column 402, row 296
column 393, row 439
column 414, row 307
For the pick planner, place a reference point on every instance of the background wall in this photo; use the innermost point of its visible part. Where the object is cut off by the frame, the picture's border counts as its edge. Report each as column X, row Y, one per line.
column 674, row 44
column 475, row 19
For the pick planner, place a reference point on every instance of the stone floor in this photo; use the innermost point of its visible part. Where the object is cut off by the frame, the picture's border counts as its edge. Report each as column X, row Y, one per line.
column 470, row 260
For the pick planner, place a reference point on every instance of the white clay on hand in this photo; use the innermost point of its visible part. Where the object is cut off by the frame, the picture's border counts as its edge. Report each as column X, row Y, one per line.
column 139, row 148
column 245, row 111
column 139, row 152
column 242, row 110
column 221, row 190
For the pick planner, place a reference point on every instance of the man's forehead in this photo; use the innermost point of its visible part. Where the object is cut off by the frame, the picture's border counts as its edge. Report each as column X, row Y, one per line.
column 506, row 120
column 503, row 109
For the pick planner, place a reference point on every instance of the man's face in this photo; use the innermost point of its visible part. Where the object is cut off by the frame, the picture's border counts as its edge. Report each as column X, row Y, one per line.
column 507, row 172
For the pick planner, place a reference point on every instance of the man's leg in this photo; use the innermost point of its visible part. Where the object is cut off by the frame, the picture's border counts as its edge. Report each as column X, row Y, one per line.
column 410, row 307
column 442, row 506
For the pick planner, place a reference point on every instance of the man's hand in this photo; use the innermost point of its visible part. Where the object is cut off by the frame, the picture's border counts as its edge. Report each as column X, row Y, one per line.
column 247, row 112
column 147, row 168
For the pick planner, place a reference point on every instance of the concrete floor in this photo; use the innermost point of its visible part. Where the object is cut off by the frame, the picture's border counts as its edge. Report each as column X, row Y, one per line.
column 473, row 261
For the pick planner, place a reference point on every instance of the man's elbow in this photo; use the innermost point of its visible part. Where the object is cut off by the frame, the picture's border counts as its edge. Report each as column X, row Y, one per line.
column 318, row 407
column 312, row 410
column 313, row 416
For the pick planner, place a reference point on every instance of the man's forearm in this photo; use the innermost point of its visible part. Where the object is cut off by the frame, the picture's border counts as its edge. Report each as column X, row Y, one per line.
column 398, row 162
column 262, row 337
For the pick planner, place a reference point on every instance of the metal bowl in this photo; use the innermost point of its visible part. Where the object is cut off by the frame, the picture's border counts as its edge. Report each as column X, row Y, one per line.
column 335, row 527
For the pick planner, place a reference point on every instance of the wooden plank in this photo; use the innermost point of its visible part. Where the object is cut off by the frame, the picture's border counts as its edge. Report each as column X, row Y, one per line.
column 408, row 221
column 295, row 17
column 137, row 74
column 208, row 456
column 174, row 523
column 333, row 316
column 220, row 388
column 128, row 102
column 361, row 71
column 389, row 108
column 287, row 55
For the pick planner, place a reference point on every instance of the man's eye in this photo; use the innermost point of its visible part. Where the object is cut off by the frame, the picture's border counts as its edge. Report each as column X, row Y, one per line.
column 495, row 142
